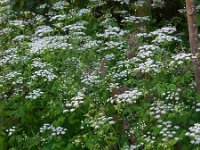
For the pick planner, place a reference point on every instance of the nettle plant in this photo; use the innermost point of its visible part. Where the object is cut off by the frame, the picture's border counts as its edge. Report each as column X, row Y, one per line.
column 94, row 76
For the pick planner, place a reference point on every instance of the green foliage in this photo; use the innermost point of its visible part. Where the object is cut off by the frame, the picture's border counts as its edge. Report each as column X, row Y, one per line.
column 92, row 75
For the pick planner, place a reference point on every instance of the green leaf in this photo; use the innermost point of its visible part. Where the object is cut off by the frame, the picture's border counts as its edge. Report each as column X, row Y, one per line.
column 198, row 19
column 31, row 142
column 3, row 144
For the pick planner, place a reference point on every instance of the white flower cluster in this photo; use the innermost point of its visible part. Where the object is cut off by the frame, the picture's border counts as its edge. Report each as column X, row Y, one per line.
column 144, row 139
column 97, row 3
column 4, row 1
column 113, row 45
column 71, row 106
column 76, row 29
column 12, row 75
column 158, row 3
column 113, row 86
column 162, row 38
column 180, row 58
column 6, row 31
column 42, row 30
column 134, row 19
column 59, row 5
column 38, row 19
column 5, row 11
column 168, row 131
column 11, row 50
column 148, row 66
column 90, row 79
column 122, row 74
column 140, row 126
column 42, row 6
column 194, row 134
column 54, row 131
column 172, row 95
column 11, row 130
column 192, row 85
column 126, row 97
column 51, row 13
column 91, row 44
column 182, row 11
column 159, row 108
column 112, row 32
column 148, row 138
column 18, row 81
column 163, row 35
column 145, row 54
column 136, row 146
column 109, row 56
column 58, row 17
column 197, row 8
column 38, row 64
column 139, row 3
column 19, row 23
column 128, row 63
column 107, row 20
column 147, row 47
column 123, row 1
column 83, row 11
column 52, row 42
column 35, row 94
column 19, row 38
column 47, row 74
column 77, row 13
column 142, row 35
column 9, row 57
column 77, row 26
column 197, row 109
column 99, row 121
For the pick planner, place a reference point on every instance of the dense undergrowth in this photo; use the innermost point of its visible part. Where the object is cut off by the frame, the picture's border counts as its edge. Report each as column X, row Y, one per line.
column 95, row 77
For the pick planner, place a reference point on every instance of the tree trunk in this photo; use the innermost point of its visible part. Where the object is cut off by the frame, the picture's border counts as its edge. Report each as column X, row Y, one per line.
column 193, row 39
column 143, row 11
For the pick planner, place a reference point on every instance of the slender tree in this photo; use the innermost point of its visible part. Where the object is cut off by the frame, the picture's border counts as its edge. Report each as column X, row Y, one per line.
column 193, row 39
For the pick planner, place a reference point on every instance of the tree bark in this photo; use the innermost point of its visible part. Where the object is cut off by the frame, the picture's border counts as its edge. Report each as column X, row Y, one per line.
column 143, row 11
column 193, row 40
